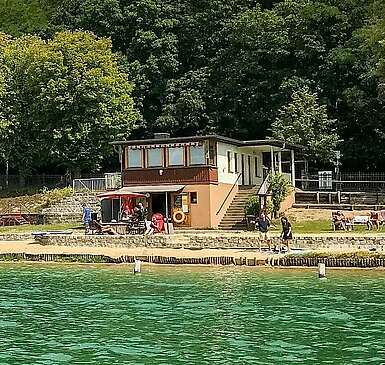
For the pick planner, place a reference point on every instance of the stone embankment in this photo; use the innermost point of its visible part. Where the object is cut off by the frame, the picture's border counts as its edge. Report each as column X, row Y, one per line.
column 213, row 242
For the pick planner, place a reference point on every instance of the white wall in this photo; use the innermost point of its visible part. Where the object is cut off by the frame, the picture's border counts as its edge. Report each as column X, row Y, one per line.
column 226, row 177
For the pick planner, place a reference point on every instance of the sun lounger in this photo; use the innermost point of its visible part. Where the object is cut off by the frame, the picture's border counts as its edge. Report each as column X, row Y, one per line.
column 360, row 219
column 51, row 233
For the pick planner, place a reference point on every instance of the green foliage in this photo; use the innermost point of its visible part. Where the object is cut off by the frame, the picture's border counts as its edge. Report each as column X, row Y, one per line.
column 231, row 67
column 279, row 188
column 304, row 122
column 64, row 101
column 252, row 206
column 25, row 16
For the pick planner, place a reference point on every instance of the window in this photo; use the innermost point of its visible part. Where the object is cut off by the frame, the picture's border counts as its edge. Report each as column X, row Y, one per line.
column 176, row 156
column 194, row 197
column 134, row 158
column 154, row 157
column 256, row 166
column 197, row 155
column 229, row 167
column 236, row 169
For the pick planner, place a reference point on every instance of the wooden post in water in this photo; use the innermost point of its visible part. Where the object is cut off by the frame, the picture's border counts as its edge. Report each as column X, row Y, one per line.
column 137, row 266
column 321, row 270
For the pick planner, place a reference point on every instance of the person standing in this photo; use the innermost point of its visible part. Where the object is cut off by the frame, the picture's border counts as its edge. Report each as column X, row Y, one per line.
column 263, row 224
column 287, row 233
column 87, row 218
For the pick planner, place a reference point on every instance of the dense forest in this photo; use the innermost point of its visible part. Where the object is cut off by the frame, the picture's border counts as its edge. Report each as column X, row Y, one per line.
column 311, row 72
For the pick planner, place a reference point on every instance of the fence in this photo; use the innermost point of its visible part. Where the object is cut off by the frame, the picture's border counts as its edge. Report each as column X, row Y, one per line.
column 16, row 182
column 346, row 181
column 110, row 181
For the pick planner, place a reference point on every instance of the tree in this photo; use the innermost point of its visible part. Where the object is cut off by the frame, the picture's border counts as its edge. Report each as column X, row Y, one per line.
column 66, row 99
column 303, row 121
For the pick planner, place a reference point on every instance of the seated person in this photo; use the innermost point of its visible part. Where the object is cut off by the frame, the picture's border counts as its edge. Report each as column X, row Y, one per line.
column 339, row 220
column 156, row 225
column 374, row 220
column 140, row 212
column 100, row 229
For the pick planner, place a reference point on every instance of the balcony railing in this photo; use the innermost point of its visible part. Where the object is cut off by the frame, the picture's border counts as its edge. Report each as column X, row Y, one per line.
column 168, row 175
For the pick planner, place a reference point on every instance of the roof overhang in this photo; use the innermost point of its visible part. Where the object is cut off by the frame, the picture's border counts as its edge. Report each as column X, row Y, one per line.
column 235, row 142
column 155, row 188
column 125, row 193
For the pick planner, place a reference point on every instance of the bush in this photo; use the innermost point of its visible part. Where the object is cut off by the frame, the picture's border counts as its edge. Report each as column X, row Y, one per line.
column 279, row 187
column 252, row 206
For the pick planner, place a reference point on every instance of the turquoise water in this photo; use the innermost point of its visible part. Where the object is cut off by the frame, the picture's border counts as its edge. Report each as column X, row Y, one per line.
column 68, row 314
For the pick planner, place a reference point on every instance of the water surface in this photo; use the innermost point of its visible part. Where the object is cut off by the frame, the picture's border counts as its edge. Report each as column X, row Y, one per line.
column 69, row 314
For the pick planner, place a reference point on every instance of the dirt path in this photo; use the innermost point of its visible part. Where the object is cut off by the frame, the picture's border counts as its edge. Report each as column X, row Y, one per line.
column 29, row 246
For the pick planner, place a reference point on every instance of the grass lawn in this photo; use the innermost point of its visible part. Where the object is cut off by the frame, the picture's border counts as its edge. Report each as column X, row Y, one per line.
column 302, row 227
column 27, row 228
column 322, row 226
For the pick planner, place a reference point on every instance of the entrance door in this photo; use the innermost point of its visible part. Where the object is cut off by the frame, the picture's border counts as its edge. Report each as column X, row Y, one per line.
column 158, row 203
column 243, row 168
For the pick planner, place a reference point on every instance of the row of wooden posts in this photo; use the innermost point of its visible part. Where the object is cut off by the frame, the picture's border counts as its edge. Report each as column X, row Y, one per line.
column 214, row 260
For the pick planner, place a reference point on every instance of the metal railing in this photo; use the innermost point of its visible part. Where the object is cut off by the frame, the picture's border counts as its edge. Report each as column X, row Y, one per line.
column 110, row 181
column 264, row 188
column 229, row 193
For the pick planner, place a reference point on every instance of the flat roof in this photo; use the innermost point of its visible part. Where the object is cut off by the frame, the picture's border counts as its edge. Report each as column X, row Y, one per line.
column 235, row 142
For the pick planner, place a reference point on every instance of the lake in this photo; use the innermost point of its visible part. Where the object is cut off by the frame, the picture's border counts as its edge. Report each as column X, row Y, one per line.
column 100, row 314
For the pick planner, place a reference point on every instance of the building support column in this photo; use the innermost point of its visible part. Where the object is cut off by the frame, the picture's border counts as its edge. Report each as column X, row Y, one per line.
column 280, row 162
column 272, row 169
column 292, row 160
column 166, row 213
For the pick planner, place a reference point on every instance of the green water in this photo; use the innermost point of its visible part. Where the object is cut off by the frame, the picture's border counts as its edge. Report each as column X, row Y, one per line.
column 64, row 314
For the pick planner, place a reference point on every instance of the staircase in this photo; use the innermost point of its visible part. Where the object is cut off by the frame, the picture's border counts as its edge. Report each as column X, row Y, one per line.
column 70, row 209
column 234, row 217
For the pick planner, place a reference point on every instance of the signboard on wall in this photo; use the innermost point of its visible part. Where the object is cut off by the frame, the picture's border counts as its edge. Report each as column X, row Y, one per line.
column 185, row 203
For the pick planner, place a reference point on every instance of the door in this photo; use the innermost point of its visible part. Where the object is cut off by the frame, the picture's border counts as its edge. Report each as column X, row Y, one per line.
column 243, row 169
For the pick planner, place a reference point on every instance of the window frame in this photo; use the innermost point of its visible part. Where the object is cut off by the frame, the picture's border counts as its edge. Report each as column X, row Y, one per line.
column 161, row 150
column 182, row 148
column 196, row 197
column 204, row 155
column 229, row 156
column 128, row 158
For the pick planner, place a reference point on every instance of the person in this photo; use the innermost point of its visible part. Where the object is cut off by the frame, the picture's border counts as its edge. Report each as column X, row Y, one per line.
column 140, row 212
column 339, row 221
column 151, row 226
column 374, row 220
column 263, row 224
column 86, row 218
column 287, row 233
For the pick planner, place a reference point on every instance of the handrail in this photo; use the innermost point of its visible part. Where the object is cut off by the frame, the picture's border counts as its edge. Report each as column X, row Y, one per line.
column 263, row 189
column 229, row 193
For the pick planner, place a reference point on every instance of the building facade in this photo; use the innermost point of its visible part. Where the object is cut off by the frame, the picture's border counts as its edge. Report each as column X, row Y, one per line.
column 193, row 180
